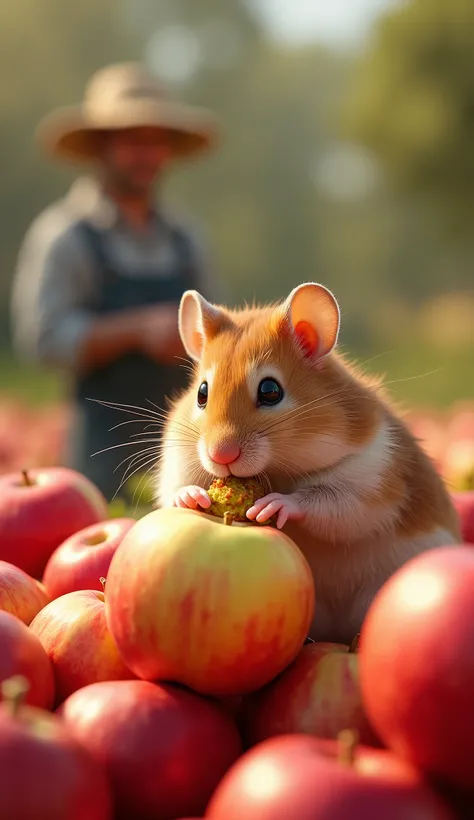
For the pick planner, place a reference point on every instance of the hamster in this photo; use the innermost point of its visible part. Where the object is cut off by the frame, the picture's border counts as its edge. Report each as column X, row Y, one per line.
column 270, row 397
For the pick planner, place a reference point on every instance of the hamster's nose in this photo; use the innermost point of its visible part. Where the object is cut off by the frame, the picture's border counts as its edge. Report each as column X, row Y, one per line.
column 224, row 453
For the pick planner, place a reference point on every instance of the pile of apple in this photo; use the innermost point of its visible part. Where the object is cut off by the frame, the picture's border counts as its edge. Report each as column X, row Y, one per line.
column 448, row 438
column 160, row 670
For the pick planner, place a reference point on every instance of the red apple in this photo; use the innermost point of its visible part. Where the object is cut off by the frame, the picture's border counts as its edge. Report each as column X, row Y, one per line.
column 22, row 654
column 74, row 634
column 164, row 748
column 318, row 694
column 84, row 558
column 221, row 609
column 40, row 509
column 417, row 663
column 296, row 776
column 20, row 594
column 44, row 773
column 464, row 504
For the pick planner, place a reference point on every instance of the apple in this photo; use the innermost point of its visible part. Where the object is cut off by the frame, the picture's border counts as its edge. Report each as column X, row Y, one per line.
column 84, row 558
column 20, row 594
column 417, row 663
column 22, row 654
column 318, row 694
column 218, row 608
column 308, row 778
column 73, row 631
column 44, row 772
column 164, row 748
column 39, row 509
column 464, row 504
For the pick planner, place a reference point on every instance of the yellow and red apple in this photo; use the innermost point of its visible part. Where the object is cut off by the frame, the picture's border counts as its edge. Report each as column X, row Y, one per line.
column 318, row 694
column 22, row 654
column 221, row 609
column 84, row 558
column 20, row 594
column 74, row 634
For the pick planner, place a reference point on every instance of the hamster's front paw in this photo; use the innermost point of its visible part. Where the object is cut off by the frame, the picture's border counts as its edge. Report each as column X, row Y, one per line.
column 287, row 507
column 191, row 497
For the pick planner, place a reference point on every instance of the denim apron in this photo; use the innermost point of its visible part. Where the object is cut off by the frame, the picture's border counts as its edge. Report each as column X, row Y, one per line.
column 133, row 379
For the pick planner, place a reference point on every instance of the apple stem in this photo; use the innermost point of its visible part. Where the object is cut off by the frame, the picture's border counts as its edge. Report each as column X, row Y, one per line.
column 354, row 647
column 347, row 742
column 26, row 479
column 14, row 691
column 103, row 581
column 228, row 518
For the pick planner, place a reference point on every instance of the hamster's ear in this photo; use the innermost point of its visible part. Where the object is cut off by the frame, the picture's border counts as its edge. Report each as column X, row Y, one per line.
column 314, row 316
column 198, row 321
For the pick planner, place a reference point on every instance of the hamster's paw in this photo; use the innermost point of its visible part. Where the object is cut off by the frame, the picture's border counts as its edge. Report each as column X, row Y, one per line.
column 287, row 507
column 191, row 497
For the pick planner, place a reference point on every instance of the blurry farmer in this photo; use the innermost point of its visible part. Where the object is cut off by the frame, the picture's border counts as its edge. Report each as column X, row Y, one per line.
column 101, row 272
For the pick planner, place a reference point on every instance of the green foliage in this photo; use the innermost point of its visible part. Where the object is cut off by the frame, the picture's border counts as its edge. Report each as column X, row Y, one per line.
column 413, row 102
column 275, row 201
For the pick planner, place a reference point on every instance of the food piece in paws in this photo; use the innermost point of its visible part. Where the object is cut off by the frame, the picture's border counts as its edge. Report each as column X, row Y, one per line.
column 234, row 495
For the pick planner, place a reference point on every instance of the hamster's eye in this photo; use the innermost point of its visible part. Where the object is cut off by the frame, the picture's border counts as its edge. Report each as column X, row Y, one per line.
column 202, row 394
column 269, row 392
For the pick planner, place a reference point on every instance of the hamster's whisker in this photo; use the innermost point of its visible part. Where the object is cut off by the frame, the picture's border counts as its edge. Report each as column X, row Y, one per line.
column 317, row 438
column 196, row 473
column 172, row 444
column 133, row 456
column 134, row 421
column 262, row 475
column 165, row 414
column 299, row 412
column 143, row 479
column 184, row 430
column 144, row 460
column 118, row 446
column 371, row 358
column 154, row 435
column 293, row 465
column 161, row 410
column 411, row 378
column 146, row 412
column 320, row 401
column 307, row 407
column 175, row 425
column 280, row 423
column 183, row 359
column 136, row 470
column 138, row 461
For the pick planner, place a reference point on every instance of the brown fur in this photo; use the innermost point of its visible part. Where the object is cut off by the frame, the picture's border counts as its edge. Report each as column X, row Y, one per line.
column 404, row 509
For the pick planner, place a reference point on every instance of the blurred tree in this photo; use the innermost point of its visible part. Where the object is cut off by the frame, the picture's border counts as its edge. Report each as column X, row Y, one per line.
column 48, row 50
column 413, row 104
column 286, row 199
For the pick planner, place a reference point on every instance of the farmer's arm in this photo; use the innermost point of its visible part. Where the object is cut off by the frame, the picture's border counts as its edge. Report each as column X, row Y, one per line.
column 53, row 307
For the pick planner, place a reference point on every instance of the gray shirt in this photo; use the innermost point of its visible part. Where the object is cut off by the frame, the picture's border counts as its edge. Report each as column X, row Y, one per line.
column 56, row 283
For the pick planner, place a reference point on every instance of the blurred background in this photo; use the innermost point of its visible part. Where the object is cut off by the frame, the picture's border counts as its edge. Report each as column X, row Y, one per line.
column 348, row 158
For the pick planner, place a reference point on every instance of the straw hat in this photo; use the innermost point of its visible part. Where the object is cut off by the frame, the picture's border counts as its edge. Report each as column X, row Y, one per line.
column 124, row 96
